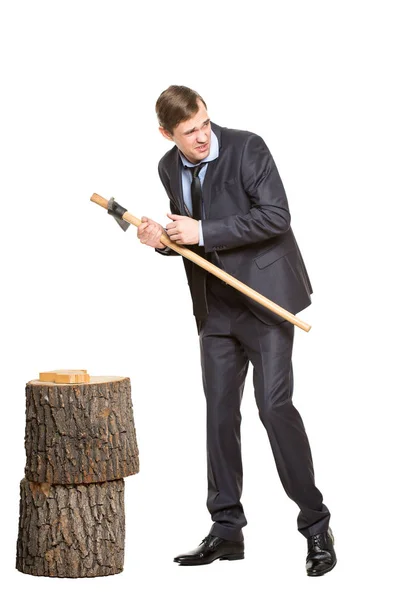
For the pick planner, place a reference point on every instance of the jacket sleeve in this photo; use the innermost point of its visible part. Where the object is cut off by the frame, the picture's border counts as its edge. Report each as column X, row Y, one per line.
column 166, row 251
column 269, row 214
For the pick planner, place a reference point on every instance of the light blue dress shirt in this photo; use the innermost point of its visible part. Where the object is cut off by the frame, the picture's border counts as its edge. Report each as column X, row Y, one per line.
column 187, row 177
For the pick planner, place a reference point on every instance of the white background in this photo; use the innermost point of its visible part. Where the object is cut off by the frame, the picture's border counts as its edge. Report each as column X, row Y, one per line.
column 326, row 84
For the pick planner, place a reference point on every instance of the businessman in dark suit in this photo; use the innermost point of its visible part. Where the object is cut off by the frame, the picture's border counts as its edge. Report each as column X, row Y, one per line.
column 228, row 204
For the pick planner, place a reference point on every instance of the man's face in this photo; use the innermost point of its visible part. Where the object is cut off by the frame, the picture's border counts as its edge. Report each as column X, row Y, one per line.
column 192, row 137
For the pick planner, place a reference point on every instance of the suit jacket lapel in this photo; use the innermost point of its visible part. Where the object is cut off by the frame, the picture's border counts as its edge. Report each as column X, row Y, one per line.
column 176, row 182
column 207, row 185
column 212, row 166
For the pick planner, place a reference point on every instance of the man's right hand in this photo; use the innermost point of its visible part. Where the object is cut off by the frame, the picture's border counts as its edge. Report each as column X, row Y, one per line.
column 149, row 233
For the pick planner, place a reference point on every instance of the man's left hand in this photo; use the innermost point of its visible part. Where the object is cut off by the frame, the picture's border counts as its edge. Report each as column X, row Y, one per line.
column 183, row 230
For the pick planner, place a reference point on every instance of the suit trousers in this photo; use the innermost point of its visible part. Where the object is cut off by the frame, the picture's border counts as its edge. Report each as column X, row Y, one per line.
column 230, row 337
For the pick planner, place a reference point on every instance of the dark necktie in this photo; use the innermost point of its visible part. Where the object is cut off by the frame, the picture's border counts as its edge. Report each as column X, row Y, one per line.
column 196, row 192
column 198, row 274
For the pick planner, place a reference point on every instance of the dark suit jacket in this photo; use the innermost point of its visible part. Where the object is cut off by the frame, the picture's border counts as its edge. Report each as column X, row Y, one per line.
column 247, row 221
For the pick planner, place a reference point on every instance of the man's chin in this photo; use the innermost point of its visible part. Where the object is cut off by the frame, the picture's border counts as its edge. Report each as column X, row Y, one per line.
column 200, row 155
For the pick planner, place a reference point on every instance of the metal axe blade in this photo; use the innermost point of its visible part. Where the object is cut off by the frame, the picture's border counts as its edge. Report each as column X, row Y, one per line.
column 117, row 211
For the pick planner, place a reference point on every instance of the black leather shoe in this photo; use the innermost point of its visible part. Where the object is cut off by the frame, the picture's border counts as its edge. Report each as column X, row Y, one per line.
column 211, row 548
column 321, row 556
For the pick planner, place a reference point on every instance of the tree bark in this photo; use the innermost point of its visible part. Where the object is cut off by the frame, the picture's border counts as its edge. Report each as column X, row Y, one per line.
column 71, row 530
column 80, row 433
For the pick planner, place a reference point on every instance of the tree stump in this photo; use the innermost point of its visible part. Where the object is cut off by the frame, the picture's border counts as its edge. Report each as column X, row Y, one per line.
column 71, row 530
column 80, row 433
column 80, row 442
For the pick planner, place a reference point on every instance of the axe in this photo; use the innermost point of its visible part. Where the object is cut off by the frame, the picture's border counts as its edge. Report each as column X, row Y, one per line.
column 124, row 219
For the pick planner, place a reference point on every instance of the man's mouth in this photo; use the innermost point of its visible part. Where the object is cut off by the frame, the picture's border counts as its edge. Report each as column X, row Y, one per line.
column 202, row 148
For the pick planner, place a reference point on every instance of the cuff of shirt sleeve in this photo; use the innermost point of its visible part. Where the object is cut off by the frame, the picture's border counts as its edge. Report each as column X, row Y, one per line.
column 164, row 250
column 201, row 241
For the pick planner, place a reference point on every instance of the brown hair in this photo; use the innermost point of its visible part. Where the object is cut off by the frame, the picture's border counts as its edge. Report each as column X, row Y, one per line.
column 176, row 104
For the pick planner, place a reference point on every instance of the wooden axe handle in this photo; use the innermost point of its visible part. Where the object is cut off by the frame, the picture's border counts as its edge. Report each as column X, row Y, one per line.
column 205, row 264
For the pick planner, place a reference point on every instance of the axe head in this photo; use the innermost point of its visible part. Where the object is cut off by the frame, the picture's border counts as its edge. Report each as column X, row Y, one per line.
column 117, row 211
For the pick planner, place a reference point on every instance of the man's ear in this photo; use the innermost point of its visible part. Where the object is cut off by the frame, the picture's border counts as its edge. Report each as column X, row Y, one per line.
column 165, row 133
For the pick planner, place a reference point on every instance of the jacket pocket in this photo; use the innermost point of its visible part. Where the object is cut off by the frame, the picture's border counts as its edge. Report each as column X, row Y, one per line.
column 268, row 258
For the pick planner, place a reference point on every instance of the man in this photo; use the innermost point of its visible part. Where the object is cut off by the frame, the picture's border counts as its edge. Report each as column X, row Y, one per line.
column 228, row 204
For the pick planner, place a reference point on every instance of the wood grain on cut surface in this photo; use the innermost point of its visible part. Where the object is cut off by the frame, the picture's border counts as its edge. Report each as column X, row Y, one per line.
column 71, row 530
column 80, row 433
column 93, row 379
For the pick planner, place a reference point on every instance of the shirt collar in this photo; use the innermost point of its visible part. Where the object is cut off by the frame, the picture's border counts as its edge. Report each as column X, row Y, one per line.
column 213, row 154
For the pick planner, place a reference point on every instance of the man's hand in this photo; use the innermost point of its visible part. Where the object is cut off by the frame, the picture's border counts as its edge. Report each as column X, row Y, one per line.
column 183, row 230
column 149, row 233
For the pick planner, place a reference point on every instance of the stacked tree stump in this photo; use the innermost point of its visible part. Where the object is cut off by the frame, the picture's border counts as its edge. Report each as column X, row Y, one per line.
column 80, row 443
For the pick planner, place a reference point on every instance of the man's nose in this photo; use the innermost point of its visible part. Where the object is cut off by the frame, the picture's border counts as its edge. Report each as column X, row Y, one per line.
column 201, row 137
